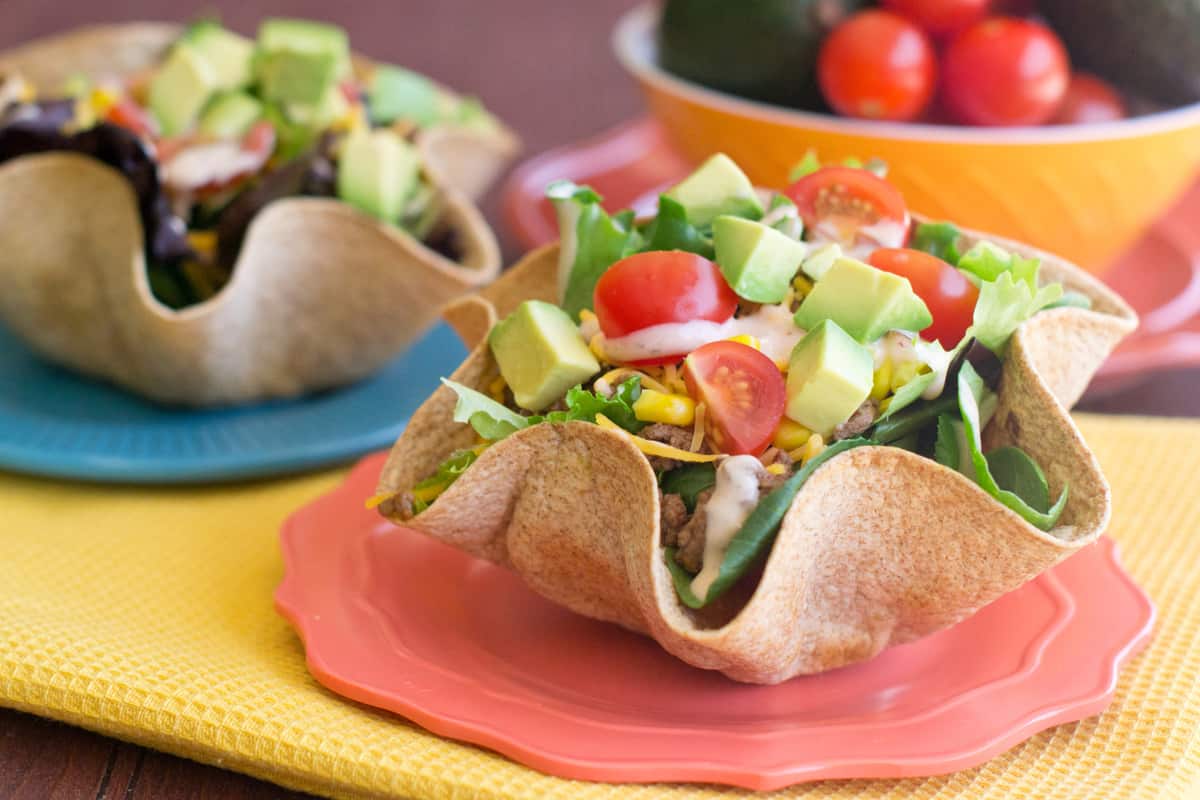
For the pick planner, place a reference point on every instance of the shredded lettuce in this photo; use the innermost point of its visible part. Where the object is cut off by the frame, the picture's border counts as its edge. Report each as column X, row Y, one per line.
column 1015, row 472
column 583, row 405
column 494, row 421
column 908, row 394
column 491, row 420
column 592, row 241
column 1006, row 302
column 805, row 166
column 425, row 492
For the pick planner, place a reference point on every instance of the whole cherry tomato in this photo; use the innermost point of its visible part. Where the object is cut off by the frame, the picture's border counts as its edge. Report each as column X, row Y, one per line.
column 1089, row 99
column 1004, row 71
column 940, row 18
column 877, row 65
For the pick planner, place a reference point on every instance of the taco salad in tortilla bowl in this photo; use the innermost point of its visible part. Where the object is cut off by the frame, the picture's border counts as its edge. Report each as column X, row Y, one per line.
column 776, row 431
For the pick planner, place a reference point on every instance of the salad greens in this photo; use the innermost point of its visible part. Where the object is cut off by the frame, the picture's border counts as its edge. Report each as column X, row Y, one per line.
column 446, row 474
column 757, row 533
column 591, row 242
column 688, row 482
column 1019, row 476
column 494, row 421
column 938, row 238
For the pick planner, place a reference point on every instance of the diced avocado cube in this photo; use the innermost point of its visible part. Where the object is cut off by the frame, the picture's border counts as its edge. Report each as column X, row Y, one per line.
column 820, row 260
column 180, row 88
column 230, row 115
column 299, row 60
column 377, row 173
column 541, row 354
column 291, row 138
column 864, row 301
column 231, row 56
column 829, row 377
column 717, row 187
column 757, row 261
column 332, row 106
column 295, row 76
column 396, row 93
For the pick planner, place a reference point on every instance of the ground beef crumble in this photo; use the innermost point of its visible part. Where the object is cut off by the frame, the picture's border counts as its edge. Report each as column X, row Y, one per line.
column 859, row 421
column 672, row 435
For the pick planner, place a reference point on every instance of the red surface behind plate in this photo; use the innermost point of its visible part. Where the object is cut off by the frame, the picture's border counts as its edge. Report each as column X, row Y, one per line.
column 396, row 620
column 1159, row 276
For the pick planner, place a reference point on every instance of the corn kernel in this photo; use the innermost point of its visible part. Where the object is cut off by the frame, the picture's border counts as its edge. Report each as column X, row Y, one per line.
column 812, row 448
column 585, row 315
column 672, row 409
column 790, row 435
column 748, row 340
column 884, row 403
column 496, row 388
column 903, row 373
column 101, row 99
column 882, row 381
column 777, row 469
column 802, row 286
column 203, row 242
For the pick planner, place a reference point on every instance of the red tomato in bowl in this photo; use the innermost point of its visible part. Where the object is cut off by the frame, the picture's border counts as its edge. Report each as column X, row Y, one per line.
column 1005, row 71
column 877, row 65
column 948, row 295
column 850, row 206
column 940, row 18
column 1089, row 99
column 660, row 287
column 743, row 392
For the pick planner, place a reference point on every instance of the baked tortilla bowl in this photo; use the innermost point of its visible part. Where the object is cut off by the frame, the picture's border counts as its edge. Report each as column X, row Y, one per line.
column 321, row 294
column 880, row 547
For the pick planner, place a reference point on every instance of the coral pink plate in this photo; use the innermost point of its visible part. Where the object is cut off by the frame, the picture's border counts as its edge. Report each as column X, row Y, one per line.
column 395, row 620
column 1159, row 276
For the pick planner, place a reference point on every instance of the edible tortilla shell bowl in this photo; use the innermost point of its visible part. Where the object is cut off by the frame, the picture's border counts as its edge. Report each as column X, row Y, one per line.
column 880, row 547
column 321, row 294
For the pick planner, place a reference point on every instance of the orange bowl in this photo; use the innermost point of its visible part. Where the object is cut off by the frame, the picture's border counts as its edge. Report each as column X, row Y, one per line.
column 1084, row 192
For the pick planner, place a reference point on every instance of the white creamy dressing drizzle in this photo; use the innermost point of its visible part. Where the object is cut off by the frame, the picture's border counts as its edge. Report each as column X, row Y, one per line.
column 734, row 497
column 772, row 325
column 901, row 347
column 214, row 163
column 866, row 239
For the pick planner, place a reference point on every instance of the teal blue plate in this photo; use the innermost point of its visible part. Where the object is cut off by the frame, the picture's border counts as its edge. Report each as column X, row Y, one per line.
column 54, row 422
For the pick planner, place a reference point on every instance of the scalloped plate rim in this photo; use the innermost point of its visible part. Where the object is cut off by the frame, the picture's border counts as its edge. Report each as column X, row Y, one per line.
column 290, row 603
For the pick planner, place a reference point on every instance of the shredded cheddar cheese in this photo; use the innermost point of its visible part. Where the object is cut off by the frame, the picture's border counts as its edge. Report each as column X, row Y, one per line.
column 651, row 448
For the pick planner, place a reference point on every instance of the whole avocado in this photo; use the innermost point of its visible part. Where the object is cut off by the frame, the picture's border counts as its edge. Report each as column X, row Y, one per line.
column 1151, row 47
column 761, row 49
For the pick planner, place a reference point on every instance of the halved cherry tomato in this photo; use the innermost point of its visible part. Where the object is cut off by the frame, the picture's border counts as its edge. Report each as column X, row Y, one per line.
column 852, row 207
column 940, row 17
column 660, row 287
column 877, row 65
column 1004, row 71
column 129, row 115
column 1089, row 99
column 206, row 168
column 743, row 391
column 948, row 295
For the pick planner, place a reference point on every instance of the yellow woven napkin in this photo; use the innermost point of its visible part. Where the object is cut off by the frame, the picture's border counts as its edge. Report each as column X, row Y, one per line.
column 147, row 614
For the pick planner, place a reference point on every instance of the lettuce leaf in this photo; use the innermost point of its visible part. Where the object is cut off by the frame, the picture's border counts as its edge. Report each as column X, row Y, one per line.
column 939, row 239
column 670, row 230
column 1006, row 302
column 945, row 449
column 583, row 405
column 1016, row 474
column 446, row 474
column 754, row 538
column 908, row 394
column 689, row 481
column 592, row 241
column 491, row 420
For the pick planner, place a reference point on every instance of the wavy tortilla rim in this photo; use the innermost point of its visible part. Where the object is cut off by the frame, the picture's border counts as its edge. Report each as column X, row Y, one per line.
column 880, row 547
column 321, row 294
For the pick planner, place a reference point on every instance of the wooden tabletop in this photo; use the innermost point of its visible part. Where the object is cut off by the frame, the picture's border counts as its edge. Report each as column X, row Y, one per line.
column 542, row 65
